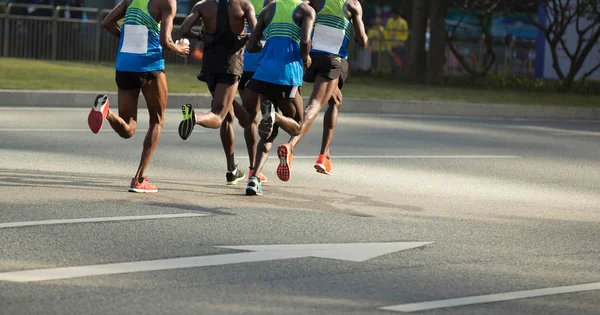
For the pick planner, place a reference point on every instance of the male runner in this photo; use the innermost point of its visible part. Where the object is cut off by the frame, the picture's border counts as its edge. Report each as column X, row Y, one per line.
column 224, row 38
column 287, row 25
column 146, row 30
column 329, row 71
column 250, row 99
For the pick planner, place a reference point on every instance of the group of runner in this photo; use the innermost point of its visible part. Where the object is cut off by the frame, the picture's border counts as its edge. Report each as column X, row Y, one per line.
column 264, row 49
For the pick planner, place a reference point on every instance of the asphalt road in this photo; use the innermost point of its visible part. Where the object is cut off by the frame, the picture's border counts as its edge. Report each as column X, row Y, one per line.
column 503, row 206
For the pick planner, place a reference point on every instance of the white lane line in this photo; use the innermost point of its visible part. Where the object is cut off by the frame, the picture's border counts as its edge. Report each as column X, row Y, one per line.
column 412, row 157
column 77, row 130
column 500, row 297
column 105, row 219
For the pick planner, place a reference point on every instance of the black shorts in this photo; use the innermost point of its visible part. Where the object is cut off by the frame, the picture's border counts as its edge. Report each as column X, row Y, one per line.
column 246, row 76
column 274, row 91
column 218, row 78
column 329, row 66
column 134, row 80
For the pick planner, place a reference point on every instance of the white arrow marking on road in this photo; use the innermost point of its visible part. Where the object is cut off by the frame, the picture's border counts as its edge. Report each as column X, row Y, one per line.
column 500, row 297
column 351, row 252
column 105, row 219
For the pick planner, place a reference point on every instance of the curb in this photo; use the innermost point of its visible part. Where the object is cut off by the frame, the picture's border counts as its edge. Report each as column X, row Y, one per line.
column 74, row 99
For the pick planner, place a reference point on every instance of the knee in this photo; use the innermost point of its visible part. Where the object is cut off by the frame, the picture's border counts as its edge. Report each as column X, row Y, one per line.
column 335, row 102
column 157, row 119
column 296, row 130
column 128, row 133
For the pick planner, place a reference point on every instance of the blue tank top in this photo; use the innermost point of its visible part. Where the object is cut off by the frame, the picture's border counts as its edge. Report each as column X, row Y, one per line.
column 251, row 60
column 139, row 45
column 333, row 30
column 281, row 62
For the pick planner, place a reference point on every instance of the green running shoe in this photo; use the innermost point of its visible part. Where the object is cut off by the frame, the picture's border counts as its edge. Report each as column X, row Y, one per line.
column 187, row 124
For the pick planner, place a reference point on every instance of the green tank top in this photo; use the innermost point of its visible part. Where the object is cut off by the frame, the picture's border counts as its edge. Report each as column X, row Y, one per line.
column 283, row 24
column 333, row 29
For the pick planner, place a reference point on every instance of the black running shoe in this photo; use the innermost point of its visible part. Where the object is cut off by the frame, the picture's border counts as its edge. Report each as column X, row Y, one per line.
column 235, row 176
column 266, row 125
column 187, row 124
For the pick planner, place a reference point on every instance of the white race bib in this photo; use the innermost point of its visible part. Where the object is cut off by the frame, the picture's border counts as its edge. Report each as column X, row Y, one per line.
column 328, row 39
column 135, row 40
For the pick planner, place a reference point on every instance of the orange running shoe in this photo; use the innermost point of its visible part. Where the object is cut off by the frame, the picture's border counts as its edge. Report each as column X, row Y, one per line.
column 263, row 178
column 143, row 187
column 98, row 113
column 323, row 165
column 284, row 170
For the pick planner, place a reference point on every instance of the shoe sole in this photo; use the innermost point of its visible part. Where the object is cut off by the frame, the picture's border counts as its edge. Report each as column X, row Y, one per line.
column 96, row 118
column 186, row 126
column 265, row 135
column 237, row 180
column 95, row 121
column 284, row 171
column 321, row 169
column 142, row 191
column 252, row 192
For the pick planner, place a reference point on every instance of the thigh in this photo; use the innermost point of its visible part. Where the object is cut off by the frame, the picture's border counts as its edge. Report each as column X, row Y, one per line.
column 156, row 92
column 323, row 90
column 128, row 104
column 292, row 106
column 224, row 95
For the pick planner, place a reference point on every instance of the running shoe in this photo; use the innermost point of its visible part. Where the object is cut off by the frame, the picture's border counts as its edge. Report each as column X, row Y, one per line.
column 143, row 187
column 235, row 176
column 323, row 165
column 187, row 124
column 262, row 177
column 98, row 113
column 284, row 170
column 266, row 125
column 254, row 187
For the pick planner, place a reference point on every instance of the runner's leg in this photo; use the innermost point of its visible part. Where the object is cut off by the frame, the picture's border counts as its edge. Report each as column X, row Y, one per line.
column 126, row 121
column 155, row 93
column 227, row 140
column 251, row 103
column 221, row 106
column 330, row 121
column 322, row 92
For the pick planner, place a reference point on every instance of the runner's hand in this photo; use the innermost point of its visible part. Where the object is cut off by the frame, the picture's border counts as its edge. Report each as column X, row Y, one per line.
column 307, row 62
column 183, row 47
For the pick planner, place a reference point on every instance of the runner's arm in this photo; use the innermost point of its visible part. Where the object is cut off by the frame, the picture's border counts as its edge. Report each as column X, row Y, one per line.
column 359, row 27
column 110, row 21
column 186, row 28
column 254, row 44
column 250, row 15
column 168, row 11
column 306, row 29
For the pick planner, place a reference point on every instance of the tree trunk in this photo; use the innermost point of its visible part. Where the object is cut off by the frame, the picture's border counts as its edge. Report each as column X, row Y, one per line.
column 436, row 57
column 417, row 61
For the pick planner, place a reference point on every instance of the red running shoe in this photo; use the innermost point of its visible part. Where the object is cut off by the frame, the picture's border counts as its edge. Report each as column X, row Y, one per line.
column 323, row 165
column 284, row 170
column 262, row 177
column 143, row 187
column 98, row 113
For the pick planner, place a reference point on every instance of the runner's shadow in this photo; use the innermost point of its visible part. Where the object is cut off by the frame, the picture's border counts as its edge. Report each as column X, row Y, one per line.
column 190, row 207
column 44, row 179
column 327, row 201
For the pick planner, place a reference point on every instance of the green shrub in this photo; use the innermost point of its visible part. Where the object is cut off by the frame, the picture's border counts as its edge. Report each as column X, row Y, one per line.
column 522, row 83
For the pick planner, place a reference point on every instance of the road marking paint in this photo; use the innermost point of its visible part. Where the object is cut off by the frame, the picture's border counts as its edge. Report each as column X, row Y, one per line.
column 104, row 219
column 349, row 252
column 335, row 157
column 500, row 297
column 77, row 130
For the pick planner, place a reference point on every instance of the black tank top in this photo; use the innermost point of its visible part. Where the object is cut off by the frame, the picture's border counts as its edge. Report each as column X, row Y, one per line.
column 224, row 50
